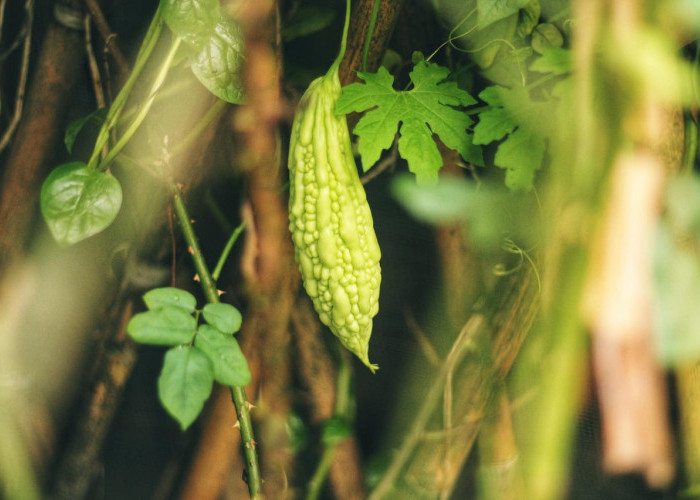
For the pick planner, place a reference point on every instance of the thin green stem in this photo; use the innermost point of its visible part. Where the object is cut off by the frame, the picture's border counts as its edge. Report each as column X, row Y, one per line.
column 115, row 110
column 342, row 398
column 218, row 214
column 199, row 127
column 227, row 250
column 319, row 476
column 200, row 265
column 144, row 108
column 237, row 393
column 690, row 150
column 343, row 42
column 370, row 32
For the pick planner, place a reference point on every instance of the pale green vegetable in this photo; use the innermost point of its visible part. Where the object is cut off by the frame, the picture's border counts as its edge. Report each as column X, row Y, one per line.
column 331, row 223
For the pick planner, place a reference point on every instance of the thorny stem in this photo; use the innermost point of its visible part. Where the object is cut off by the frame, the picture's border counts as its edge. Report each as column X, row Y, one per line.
column 342, row 407
column 212, row 295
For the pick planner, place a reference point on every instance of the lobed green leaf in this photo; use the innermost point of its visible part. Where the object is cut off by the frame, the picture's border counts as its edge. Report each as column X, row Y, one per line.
column 419, row 113
column 228, row 362
column 185, row 383
column 78, row 202
column 555, row 60
column 521, row 154
column 223, row 317
column 164, row 326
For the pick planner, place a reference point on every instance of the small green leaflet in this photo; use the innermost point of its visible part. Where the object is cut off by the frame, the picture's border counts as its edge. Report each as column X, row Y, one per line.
column 512, row 113
column 425, row 110
column 170, row 297
column 228, row 362
column 164, row 326
column 223, row 317
column 185, row 383
column 188, row 373
column 78, row 202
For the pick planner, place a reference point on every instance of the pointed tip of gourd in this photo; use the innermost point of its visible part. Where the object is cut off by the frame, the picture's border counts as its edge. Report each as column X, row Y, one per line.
column 364, row 357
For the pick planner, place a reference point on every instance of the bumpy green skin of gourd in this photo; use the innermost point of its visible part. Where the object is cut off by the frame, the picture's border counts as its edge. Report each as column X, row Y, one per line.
column 331, row 223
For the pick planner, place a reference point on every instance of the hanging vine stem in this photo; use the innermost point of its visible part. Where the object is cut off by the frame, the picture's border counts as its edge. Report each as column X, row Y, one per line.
column 115, row 110
column 212, row 295
column 144, row 108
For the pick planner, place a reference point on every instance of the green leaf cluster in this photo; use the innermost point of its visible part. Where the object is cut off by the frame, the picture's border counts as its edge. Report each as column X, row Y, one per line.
column 200, row 354
column 501, row 36
column 217, row 42
column 521, row 123
column 428, row 108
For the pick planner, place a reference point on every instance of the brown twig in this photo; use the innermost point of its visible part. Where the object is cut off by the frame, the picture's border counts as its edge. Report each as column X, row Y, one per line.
column 383, row 165
column 108, row 36
column 94, row 68
column 383, row 29
column 488, row 344
column 24, row 68
column 58, row 67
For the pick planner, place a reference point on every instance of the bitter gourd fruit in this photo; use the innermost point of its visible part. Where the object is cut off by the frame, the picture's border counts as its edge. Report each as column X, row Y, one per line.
column 330, row 221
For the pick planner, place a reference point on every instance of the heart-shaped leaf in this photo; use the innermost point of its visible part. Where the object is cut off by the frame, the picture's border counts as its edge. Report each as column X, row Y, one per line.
column 219, row 62
column 191, row 20
column 78, row 202
column 185, row 383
